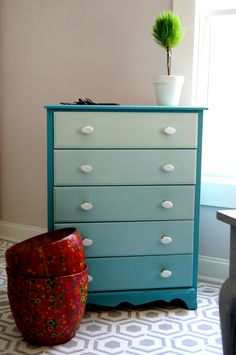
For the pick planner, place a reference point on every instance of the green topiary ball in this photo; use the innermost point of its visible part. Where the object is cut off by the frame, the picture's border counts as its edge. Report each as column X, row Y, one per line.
column 167, row 30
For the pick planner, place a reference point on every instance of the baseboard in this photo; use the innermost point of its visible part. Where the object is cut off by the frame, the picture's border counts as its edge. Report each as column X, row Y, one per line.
column 18, row 232
column 213, row 270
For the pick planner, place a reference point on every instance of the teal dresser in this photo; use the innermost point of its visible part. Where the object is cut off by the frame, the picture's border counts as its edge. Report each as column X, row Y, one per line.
column 128, row 178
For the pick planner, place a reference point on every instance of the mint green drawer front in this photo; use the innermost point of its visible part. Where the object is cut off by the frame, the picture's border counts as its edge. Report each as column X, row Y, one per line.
column 136, row 238
column 129, row 273
column 123, row 203
column 117, row 167
column 124, row 129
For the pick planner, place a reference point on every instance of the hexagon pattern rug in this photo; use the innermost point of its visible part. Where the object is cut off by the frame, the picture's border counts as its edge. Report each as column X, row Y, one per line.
column 154, row 329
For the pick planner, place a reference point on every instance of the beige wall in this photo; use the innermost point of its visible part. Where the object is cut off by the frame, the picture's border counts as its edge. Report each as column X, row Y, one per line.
column 54, row 50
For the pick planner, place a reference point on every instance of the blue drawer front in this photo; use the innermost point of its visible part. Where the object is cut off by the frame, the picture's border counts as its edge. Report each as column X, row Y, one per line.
column 130, row 273
column 124, row 167
column 135, row 238
column 123, row 203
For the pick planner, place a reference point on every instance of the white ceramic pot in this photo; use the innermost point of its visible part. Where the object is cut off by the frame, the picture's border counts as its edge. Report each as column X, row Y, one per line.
column 168, row 89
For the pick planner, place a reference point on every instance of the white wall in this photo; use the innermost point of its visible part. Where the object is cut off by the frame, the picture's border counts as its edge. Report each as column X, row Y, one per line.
column 214, row 239
column 53, row 50
column 183, row 56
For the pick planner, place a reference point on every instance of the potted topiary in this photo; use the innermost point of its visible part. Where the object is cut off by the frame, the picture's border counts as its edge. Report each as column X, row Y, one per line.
column 168, row 33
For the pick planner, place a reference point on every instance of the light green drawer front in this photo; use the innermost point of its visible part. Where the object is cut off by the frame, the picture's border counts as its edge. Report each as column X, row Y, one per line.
column 117, row 167
column 136, row 238
column 122, row 203
column 125, row 129
column 129, row 273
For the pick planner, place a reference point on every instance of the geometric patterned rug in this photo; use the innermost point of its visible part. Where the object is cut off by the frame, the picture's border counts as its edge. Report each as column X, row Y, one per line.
column 155, row 329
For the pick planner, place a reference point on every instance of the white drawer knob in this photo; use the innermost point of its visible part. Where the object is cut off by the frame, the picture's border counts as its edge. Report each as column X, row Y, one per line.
column 86, row 168
column 165, row 239
column 169, row 130
column 165, row 273
column 86, row 206
column 87, row 242
column 90, row 278
column 168, row 168
column 167, row 204
column 87, row 130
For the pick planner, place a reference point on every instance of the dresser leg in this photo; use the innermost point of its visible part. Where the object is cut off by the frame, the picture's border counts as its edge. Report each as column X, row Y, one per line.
column 227, row 308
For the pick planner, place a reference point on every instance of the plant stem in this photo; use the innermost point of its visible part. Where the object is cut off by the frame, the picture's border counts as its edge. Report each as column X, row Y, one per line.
column 168, row 61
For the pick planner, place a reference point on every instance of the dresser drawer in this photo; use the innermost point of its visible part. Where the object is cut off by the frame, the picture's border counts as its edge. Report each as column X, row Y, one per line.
column 124, row 129
column 130, row 273
column 117, row 167
column 116, row 203
column 135, row 238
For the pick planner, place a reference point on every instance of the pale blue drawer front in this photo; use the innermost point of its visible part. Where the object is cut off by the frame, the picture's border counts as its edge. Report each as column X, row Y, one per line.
column 136, row 238
column 125, row 129
column 134, row 167
column 123, row 203
column 130, row 273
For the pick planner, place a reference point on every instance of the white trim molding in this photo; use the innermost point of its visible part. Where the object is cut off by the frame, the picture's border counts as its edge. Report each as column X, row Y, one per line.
column 18, row 232
column 213, row 270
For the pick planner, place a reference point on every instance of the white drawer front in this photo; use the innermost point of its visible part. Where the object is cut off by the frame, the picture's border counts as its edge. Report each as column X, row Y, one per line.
column 124, row 167
column 125, row 129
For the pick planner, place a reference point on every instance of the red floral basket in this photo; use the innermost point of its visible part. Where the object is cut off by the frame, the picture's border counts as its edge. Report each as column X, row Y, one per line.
column 48, row 311
column 57, row 253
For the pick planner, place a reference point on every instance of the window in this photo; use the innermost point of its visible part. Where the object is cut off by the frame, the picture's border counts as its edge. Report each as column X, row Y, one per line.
column 215, row 88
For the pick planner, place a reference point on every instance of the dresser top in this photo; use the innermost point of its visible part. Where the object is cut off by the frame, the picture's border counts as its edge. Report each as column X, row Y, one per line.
column 125, row 108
